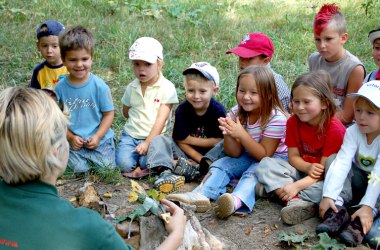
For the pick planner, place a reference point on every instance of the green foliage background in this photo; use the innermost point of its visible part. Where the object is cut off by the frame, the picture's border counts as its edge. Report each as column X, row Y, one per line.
column 193, row 30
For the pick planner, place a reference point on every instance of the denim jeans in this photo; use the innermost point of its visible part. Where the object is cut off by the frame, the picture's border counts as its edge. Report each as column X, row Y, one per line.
column 373, row 236
column 162, row 152
column 103, row 156
column 226, row 169
column 127, row 159
column 216, row 153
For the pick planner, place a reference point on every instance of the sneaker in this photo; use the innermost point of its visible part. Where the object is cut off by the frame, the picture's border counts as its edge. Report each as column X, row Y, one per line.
column 297, row 210
column 167, row 182
column 226, row 206
column 353, row 234
column 186, row 168
column 260, row 191
column 201, row 202
column 333, row 222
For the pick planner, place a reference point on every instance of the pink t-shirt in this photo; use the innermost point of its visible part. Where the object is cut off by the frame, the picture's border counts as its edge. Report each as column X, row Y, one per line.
column 311, row 145
column 275, row 128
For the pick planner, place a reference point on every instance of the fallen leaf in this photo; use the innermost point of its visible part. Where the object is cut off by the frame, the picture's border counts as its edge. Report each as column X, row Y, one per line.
column 136, row 187
column 132, row 196
column 267, row 231
column 248, row 230
column 107, row 195
column 73, row 199
column 275, row 226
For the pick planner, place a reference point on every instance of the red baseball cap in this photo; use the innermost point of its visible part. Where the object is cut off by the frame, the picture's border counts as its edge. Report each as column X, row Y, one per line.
column 254, row 44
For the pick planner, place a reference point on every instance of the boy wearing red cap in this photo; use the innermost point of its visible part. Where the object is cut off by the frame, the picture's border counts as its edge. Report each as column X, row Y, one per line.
column 256, row 48
column 346, row 70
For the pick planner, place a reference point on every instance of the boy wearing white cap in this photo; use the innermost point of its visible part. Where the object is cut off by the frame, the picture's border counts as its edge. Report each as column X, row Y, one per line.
column 374, row 39
column 196, row 130
column 359, row 160
column 147, row 103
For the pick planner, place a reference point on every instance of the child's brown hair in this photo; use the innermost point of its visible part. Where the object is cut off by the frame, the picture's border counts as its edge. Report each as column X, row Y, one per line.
column 267, row 91
column 319, row 83
column 76, row 38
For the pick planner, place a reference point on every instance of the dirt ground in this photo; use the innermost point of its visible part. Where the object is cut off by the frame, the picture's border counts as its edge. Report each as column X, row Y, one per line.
column 258, row 230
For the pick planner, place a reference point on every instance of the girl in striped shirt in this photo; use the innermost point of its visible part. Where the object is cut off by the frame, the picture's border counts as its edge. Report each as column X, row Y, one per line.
column 254, row 129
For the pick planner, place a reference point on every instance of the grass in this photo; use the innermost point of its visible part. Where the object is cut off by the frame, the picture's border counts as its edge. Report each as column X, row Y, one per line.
column 189, row 31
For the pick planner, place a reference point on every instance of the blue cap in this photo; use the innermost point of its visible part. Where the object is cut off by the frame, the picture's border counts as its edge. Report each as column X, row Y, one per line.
column 49, row 28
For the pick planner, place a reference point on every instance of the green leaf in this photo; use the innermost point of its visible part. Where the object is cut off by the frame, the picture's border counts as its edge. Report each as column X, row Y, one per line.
column 325, row 242
column 292, row 238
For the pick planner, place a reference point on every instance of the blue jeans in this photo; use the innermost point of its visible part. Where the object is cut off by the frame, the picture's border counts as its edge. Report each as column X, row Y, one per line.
column 373, row 236
column 126, row 157
column 103, row 157
column 162, row 152
column 226, row 169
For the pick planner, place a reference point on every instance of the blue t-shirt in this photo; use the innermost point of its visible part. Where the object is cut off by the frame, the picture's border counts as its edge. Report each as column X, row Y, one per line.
column 86, row 103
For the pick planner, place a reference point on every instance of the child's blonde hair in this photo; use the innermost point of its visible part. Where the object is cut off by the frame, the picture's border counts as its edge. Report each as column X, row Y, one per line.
column 267, row 91
column 76, row 38
column 370, row 104
column 32, row 133
column 319, row 83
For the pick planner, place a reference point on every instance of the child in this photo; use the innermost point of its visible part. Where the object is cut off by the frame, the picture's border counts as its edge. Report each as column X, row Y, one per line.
column 312, row 135
column 255, row 48
column 359, row 161
column 346, row 70
column 33, row 140
column 254, row 129
column 47, row 74
column 196, row 129
column 147, row 103
column 89, row 101
column 374, row 38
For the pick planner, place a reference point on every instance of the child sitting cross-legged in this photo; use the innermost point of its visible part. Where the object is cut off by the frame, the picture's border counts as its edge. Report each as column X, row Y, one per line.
column 254, row 129
column 313, row 134
column 357, row 163
column 196, row 129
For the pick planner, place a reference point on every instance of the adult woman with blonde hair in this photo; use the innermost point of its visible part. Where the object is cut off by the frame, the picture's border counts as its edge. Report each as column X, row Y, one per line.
column 34, row 152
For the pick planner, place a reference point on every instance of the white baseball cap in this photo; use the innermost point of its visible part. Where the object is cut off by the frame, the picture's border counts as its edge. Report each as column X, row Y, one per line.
column 206, row 70
column 146, row 49
column 371, row 91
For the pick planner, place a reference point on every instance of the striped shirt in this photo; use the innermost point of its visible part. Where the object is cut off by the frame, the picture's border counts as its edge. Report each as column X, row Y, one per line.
column 276, row 129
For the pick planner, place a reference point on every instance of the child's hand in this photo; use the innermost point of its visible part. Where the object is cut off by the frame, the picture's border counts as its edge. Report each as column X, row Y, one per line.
column 177, row 219
column 316, row 170
column 76, row 142
column 233, row 129
column 93, row 142
column 365, row 213
column 287, row 192
column 142, row 148
column 325, row 204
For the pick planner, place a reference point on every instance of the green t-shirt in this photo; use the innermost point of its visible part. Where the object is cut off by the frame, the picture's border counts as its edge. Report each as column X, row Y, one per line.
column 32, row 216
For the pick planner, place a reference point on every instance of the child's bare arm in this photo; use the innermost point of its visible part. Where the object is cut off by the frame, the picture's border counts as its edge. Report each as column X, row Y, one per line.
column 314, row 170
column 125, row 111
column 162, row 115
column 355, row 81
column 190, row 151
column 104, row 126
column 200, row 142
column 287, row 192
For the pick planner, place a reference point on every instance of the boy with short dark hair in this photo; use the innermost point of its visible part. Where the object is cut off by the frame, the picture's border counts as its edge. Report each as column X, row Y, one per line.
column 89, row 101
column 47, row 74
column 196, row 129
column 374, row 39
column 346, row 70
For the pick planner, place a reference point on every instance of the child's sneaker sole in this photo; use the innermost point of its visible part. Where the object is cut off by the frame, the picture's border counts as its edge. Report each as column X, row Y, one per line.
column 201, row 202
column 296, row 214
column 225, row 206
column 168, row 186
